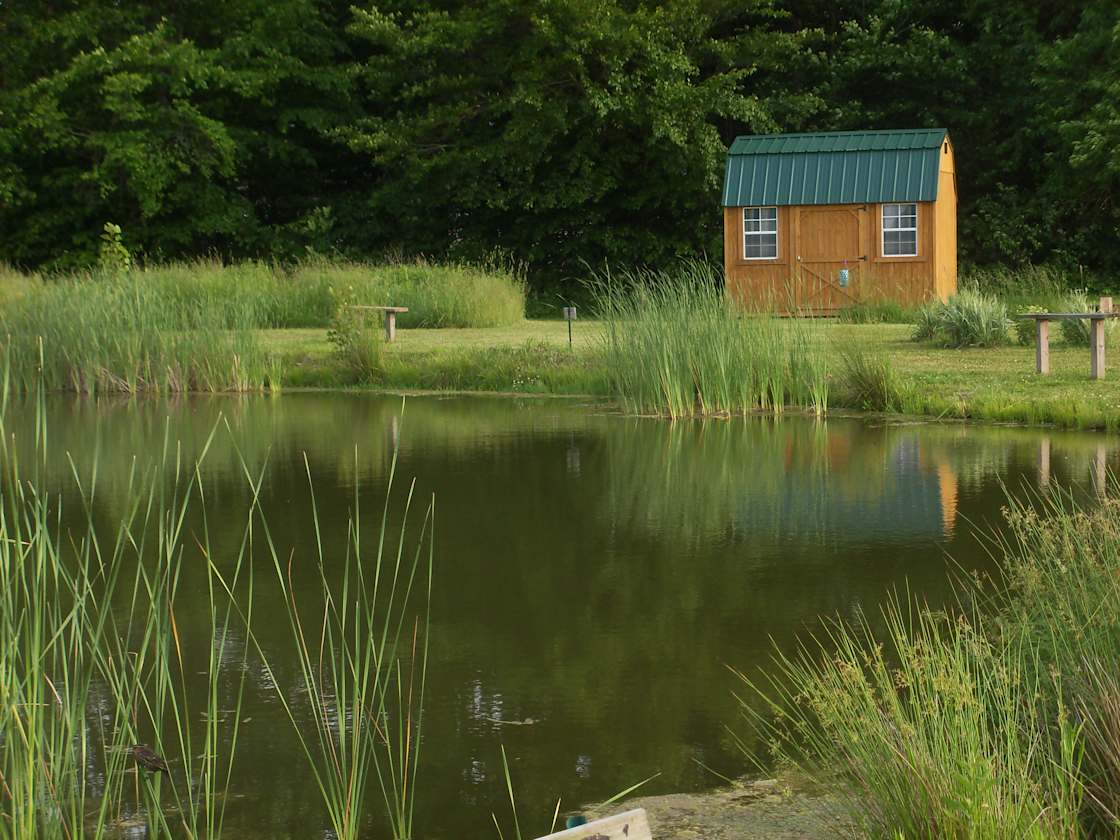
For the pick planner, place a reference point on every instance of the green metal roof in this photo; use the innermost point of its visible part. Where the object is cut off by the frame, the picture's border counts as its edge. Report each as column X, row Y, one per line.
column 833, row 167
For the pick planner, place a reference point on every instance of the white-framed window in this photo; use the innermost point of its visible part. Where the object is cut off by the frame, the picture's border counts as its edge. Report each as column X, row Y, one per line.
column 760, row 233
column 900, row 230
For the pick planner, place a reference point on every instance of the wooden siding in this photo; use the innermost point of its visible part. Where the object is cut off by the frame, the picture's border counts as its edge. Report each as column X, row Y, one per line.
column 816, row 241
column 945, row 225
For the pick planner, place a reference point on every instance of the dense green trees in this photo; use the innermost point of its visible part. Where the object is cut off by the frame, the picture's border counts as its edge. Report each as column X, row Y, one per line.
column 559, row 131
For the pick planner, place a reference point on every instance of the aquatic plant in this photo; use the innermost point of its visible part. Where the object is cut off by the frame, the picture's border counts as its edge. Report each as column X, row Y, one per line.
column 995, row 719
column 674, row 345
column 92, row 656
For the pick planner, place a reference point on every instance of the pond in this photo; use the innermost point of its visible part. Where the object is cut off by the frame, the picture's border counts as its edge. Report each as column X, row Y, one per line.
column 595, row 575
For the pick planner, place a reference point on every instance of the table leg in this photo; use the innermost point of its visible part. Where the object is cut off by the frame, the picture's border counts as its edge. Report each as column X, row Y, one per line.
column 390, row 326
column 1096, row 348
column 1042, row 348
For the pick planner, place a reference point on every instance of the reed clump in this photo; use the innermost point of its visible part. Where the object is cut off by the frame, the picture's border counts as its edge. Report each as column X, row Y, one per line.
column 117, row 332
column 92, row 656
column 996, row 719
column 674, row 345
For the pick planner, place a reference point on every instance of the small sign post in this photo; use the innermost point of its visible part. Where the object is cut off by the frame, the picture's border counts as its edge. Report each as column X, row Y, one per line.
column 569, row 316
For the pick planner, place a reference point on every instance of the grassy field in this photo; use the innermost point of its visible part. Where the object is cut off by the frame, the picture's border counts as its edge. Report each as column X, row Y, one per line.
column 533, row 357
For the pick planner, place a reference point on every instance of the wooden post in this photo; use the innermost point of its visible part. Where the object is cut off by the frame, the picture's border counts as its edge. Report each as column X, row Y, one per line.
column 1044, row 463
column 1042, row 347
column 390, row 325
column 1105, row 304
column 1096, row 348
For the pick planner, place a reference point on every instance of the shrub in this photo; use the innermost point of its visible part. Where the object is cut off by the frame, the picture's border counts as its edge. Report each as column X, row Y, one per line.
column 969, row 319
column 356, row 337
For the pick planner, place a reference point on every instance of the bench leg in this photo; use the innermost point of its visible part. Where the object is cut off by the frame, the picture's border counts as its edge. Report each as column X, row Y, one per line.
column 1096, row 348
column 390, row 326
column 1042, row 346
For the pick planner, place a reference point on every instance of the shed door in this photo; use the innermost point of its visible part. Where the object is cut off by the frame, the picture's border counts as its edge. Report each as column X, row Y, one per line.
column 829, row 239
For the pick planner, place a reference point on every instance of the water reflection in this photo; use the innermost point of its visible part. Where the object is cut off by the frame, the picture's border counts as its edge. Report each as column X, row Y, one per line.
column 595, row 573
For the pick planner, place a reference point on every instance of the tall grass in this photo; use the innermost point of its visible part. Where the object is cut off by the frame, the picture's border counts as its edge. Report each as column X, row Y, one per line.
column 1077, row 332
column 437, row 295
column 266, row 295
column 674, row 345
column 91, row 656
column 118, row 333
column 998, row 719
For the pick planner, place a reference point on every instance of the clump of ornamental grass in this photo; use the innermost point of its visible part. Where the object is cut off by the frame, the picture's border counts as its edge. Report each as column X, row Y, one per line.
column 1077, row 332
column 1000, row 718
column 970, row 318
column 674, row 345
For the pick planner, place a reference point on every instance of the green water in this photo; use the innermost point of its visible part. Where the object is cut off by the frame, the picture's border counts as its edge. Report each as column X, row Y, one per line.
column 595, row 574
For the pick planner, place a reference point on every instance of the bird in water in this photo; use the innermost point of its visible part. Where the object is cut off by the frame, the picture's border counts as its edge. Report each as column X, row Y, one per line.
column 147, row 758
column 575, row 821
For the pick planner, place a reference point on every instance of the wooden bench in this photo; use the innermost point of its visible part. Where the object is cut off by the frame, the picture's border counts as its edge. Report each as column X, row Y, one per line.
column 1096, row 335
column 390, row 318
column 633, row 825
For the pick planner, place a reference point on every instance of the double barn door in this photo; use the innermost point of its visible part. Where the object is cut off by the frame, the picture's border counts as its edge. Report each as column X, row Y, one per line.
column 828, row 239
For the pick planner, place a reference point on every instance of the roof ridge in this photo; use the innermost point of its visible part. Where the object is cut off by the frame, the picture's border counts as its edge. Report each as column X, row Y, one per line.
column 838, row 133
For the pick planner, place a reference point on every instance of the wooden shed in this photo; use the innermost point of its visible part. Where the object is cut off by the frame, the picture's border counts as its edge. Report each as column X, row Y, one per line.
column 816, row 222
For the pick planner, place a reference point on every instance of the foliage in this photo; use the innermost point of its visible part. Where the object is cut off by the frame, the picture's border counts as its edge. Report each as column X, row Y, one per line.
column 120, row 333
column 1026, row 329
column 92, row 661
column 970, row 318
column 877, row 312
column 674, row 345
column 1077, row 332
column 1000, row 716
column 356, row 336
column 869, row 382
column 566, row 132
column 113, row 256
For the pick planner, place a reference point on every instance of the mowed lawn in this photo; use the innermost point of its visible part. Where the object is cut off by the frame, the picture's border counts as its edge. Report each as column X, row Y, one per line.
column 533, row 357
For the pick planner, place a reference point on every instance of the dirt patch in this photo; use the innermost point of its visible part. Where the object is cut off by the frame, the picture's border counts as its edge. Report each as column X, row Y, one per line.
column 765, row 809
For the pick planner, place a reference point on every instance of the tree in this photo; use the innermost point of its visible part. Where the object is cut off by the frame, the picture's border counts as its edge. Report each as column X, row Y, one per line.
column 563, row 131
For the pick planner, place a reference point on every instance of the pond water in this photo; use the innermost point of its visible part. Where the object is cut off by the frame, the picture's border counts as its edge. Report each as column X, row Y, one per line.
column 595, row 574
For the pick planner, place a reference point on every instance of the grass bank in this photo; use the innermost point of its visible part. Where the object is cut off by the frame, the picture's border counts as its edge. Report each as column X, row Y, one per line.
column 987, row 384
column 998, row 719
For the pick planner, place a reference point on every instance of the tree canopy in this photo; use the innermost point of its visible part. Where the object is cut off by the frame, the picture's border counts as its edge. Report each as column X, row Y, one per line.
column 559, row 132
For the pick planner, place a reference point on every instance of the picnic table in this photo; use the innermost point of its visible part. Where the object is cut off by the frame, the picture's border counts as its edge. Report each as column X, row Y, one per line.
column 1096, row 335
column 390, row 317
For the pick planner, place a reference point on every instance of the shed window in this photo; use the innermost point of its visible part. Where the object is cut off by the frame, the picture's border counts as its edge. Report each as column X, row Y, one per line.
column 760, row 233
column 900, row 230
